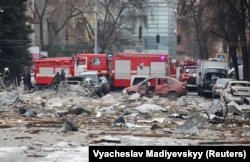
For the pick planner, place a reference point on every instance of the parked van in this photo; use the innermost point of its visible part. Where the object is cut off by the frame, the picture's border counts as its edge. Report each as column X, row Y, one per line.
column 231, row 73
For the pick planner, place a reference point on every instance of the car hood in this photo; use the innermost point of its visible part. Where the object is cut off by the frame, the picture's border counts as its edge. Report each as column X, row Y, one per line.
column 131, row 87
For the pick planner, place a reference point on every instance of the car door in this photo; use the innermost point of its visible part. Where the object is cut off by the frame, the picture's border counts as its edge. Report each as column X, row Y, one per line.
column 144, row 86
column 224, row 90
column 162, row 87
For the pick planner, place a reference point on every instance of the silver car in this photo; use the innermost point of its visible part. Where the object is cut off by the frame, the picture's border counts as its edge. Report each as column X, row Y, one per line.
column 218, row 86
column 234, row 90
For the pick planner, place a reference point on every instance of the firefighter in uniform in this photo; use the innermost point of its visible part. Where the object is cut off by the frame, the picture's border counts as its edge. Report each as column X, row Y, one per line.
column 62, row 75
column 56, row 80
column 1, row 80
column 6, row 77
column 28, row 80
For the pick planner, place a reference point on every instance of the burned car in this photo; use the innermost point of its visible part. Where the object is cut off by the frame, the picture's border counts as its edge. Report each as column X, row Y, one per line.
column 160, row 86
column 90, row 79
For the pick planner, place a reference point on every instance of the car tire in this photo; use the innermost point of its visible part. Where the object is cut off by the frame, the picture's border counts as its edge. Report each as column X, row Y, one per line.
column 172, row 96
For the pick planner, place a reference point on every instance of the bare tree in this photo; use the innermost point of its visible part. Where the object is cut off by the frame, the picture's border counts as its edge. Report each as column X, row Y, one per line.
column 110, row 21
column 231, row 26
column 72, row 21
column 40, row 10
column 115, row 15
column 226, row 20
column 61, row 13
column 196, row 15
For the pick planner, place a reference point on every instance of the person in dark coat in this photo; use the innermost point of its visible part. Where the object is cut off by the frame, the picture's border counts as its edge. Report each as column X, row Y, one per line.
column 62, row 75
column 28, row 80
column 25, row 80
column 19, row 79
column 57, row 80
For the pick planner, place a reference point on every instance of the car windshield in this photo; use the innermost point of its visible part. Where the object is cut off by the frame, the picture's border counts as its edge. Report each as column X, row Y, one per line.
column 143, row 82
column 93, row 77
column 222, row 81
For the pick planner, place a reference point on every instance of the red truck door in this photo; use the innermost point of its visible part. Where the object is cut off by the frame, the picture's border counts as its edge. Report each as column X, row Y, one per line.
column 80, row 64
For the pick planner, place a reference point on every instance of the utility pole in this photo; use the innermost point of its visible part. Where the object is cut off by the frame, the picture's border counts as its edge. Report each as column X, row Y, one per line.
column 96, row 24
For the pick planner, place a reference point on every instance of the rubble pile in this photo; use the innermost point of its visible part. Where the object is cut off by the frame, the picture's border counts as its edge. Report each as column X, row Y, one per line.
column 48, row 115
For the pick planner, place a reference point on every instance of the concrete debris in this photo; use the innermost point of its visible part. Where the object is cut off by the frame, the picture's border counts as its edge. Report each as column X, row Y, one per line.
column 30, row 113
column 108, row 99
column 247, row 115
column 8, row 98
column 68, row 126
column 46, row 113
column 108, row 110
column 189, row 127
column 155, row 127
column 61, row 113
column 233, row 108
column 120, row 121
column 200, row 121
column 175, row 115
column 134, row 97
column 148, row 108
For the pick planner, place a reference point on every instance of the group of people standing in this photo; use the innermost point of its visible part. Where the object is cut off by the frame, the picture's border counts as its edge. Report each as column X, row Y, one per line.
column 25, row 76
column 8, row 80
column 58, row 78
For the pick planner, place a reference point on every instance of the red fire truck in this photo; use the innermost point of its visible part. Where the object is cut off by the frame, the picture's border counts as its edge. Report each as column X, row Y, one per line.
column 126, row 65
column 185, row 71
column 45, row 69
column 117, row 69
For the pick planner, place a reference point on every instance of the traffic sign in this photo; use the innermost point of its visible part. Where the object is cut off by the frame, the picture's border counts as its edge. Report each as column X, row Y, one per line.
column 221, row 56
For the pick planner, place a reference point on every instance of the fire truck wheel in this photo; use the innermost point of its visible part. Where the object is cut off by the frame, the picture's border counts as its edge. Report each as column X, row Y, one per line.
column 172, row 96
